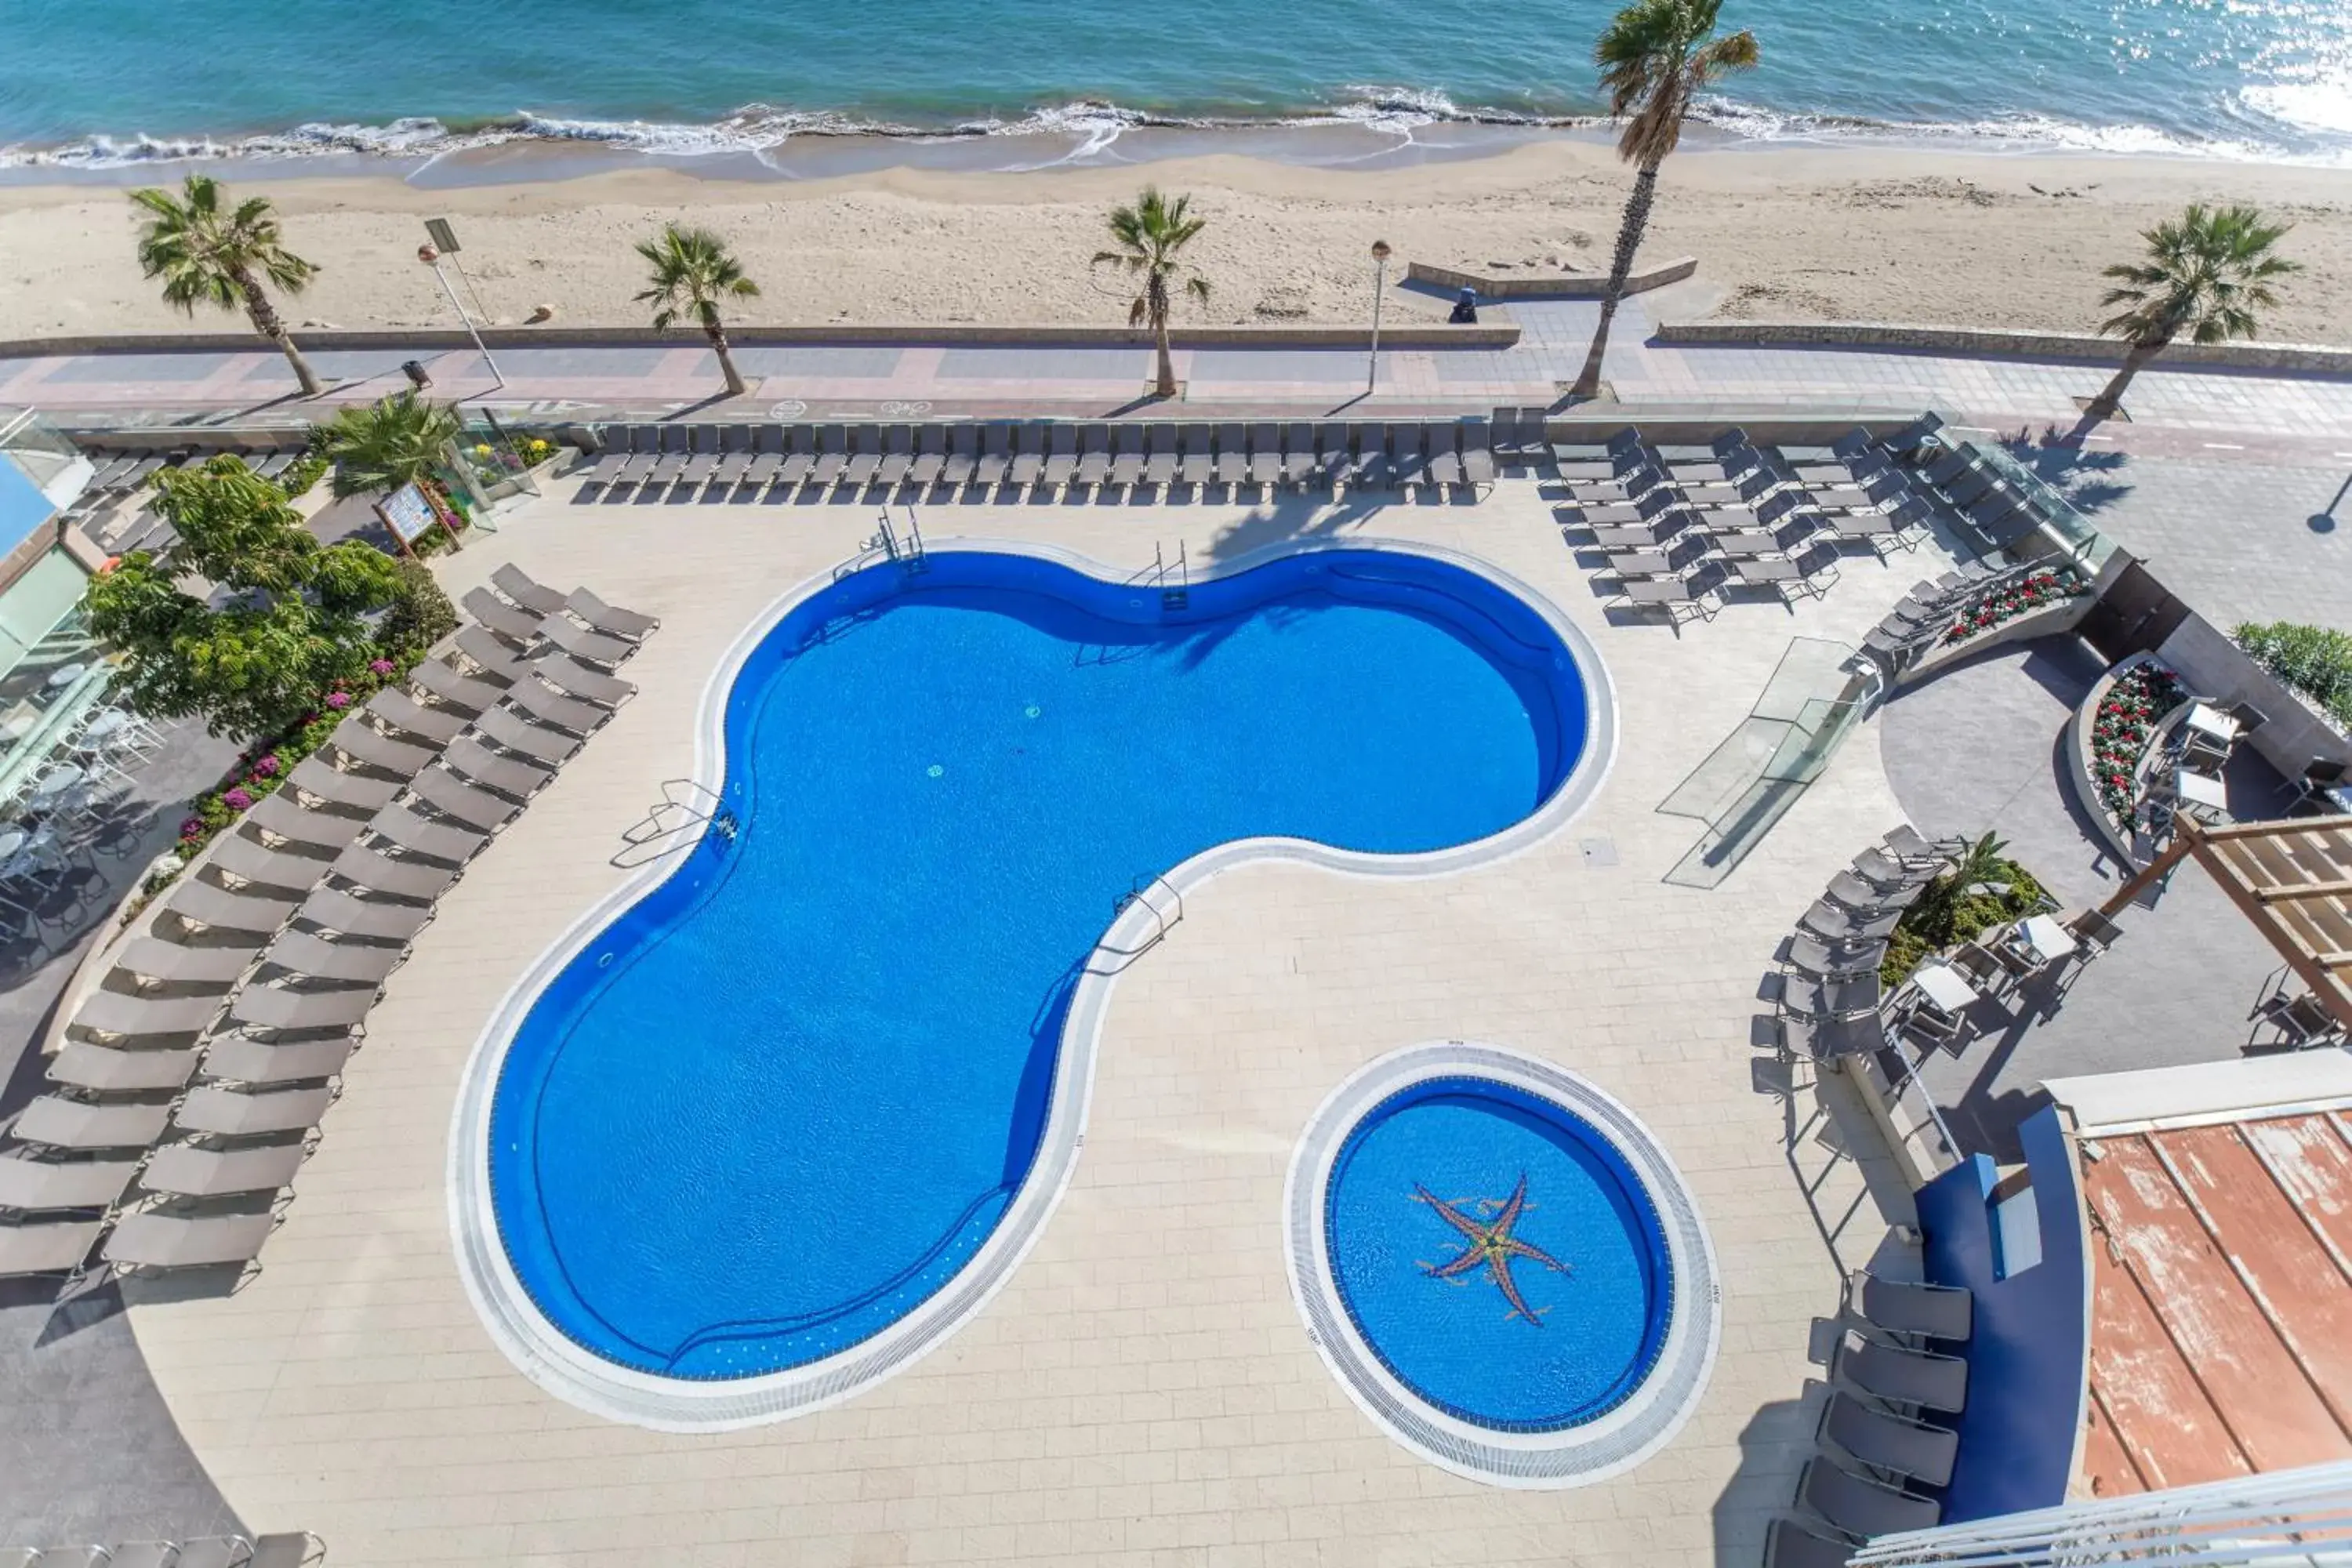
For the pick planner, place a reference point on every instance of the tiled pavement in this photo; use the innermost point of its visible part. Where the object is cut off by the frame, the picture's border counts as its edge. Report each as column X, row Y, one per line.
column 1143, row 1390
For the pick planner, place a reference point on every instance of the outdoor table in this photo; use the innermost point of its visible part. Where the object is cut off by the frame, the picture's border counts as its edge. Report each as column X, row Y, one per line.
column 1941, row 984
column 2044, row 938
column 55, row 784
column 64, row 675
column 2209, row 721
column 2201, row 791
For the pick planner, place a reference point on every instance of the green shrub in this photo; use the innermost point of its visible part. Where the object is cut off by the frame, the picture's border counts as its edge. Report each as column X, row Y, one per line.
column 2314, row 660
column 302, row 473
column 1949, row 913
column 421, row 613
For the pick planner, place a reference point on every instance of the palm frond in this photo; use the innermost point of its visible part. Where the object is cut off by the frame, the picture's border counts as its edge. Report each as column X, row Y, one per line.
column 2206, row 277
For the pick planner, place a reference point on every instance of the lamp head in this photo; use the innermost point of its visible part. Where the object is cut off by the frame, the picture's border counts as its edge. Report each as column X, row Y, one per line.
column 1381, row 251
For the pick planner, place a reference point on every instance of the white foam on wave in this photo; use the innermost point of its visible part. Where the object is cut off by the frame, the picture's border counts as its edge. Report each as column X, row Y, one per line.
column 2324, row 106
column 2022, row 133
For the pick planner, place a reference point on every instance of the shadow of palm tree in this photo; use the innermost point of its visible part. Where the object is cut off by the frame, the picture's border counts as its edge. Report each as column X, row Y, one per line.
column 1290, row 519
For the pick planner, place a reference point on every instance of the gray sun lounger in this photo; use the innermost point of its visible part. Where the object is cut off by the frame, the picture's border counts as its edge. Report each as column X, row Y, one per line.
column 477, row 765
column 1232, row 456
column 314, row 775
column 120, row 1013
column 58, row 1246
column 1297, row 455
column 1903, row 1307
column 563, row 632
column 1790, row 1543
column 492, row 660
column 179, row 963
column 402, row 828
column 160, row 1241
column 278, row 1007
column 1160, row 456
column 995, row 456
column 831, row 457
column 281, row 814
column 609, row 619
column 405, row 878
column 1061, row 457
column 103, row 1070
column 551, row 708
column 363, row 742
column 1127, row 456
column 1835, row 924
column 780, row 457
column 58, row 1123
column 898, row 455
column 573, row 678
column 185, row 1170
column 517, row 585
column 452, row 796
column 1265, row 455
column 250, row 860
column 864, row 458
column 29, row 1185
column 1094, row 456
column 1902, row 1376
column 1332, row 458
column 1199, row 466
column 242, row 1059
column 357, row 963
column 205, row 904
column 441, row 681
column 402, row 711
column 234, row 1114
column 963, row 459
column 931, row 457
column 331, row 909
column 1444, row 462
column 518, row 625
column 1887, row 1442
column 1862, row 1508
column 506, row 727
column 1828, row 1039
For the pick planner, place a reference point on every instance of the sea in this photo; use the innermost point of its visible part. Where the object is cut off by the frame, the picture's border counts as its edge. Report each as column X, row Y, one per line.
column 813, row 86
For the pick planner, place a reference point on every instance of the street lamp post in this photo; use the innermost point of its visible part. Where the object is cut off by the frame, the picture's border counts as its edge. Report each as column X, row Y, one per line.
column 1380, row 286
column 432, row 257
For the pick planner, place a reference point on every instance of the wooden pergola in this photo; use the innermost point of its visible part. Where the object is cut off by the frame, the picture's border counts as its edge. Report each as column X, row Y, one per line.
column 2292, row 879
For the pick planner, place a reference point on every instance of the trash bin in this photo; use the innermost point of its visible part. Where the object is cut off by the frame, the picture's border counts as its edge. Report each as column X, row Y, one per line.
column 414, row 371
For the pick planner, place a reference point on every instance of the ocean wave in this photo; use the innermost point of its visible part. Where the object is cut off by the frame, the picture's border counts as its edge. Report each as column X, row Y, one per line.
column 761, row 128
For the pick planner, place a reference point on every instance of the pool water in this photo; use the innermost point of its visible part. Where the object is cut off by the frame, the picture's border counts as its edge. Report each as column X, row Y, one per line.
column 1593, row 1326
column 786, row 1095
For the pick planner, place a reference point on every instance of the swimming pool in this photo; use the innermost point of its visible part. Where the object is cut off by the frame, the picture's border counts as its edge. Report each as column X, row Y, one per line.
column 775, row 1106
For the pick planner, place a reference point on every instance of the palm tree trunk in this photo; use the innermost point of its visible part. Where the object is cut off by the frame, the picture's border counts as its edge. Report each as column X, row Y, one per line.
column 1158, row 297
column 267, row 322
column 2109, row 400
column 1629, row 241
column 736, row 386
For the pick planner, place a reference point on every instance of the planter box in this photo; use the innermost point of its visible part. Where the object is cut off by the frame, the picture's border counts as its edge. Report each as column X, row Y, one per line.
column 2050, row 620
column 2078, row 755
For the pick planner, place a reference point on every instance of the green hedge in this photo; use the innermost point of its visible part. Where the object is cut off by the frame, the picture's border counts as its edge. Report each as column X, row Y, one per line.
column 2314, row 660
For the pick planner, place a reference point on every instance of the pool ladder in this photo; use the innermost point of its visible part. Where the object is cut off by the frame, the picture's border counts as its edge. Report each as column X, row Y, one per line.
column 1172, row 578
column 678, row 822
column 1159, row 896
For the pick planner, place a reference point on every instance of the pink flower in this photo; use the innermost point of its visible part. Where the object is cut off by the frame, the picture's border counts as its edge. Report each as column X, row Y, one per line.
column 380, row 665
column 236, row 799
column 266, row 767
column 339, row 699
column 192, row 827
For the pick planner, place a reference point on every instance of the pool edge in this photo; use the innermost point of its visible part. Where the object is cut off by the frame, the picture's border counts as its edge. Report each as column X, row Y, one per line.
column 581, row 1378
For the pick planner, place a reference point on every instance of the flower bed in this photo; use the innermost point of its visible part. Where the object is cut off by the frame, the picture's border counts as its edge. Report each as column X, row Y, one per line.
column 2034, row 592
column 2121, row 732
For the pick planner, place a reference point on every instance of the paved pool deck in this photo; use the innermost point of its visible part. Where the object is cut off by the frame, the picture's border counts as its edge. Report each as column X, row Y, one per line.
column 1143, row 1390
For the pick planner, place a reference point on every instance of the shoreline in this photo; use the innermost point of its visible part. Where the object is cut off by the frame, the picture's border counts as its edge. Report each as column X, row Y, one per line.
column 1839, row 231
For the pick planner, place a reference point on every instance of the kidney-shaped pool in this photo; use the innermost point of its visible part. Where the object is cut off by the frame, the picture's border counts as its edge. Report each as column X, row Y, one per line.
column 779, row 1101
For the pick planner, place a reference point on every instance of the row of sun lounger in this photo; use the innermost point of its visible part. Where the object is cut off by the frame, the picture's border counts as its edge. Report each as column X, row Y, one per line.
column 295, row 1549
column 198, row 1071
column 1919, row 620
column 1829, row 992
column 743, row 462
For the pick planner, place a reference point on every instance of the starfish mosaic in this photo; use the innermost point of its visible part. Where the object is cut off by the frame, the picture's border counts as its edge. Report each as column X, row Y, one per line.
column 1491, row 1247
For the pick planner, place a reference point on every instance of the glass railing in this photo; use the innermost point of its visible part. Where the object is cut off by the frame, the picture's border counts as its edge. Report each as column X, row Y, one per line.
column 2062, row 523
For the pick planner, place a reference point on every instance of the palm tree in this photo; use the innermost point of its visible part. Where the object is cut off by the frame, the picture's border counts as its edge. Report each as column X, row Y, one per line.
column 2206, row 274
column 1935, row 914
column 1653, row 59
column 1151, row 235
column 693, row 270
column 379, row 446
column 204, row 255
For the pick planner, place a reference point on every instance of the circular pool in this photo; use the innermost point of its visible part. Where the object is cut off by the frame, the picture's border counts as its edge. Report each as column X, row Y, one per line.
column 1501, row 1265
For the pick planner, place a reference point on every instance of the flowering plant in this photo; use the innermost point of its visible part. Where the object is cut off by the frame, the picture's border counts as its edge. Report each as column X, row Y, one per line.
column 2121, row 732
column 235, row 798
column 2013, row 599
column 266, row 765
column 338, row 701
column 379, row 667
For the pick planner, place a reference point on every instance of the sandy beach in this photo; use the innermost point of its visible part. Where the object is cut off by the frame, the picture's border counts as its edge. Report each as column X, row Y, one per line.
column 1870, row 233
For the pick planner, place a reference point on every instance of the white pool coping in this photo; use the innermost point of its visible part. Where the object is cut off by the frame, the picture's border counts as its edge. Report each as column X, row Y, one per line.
column 579, row 1377
column 1607, row 1446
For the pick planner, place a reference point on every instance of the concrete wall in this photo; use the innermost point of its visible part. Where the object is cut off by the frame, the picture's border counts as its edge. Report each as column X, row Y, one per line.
column 2218, row 670
column 2299, row 358
column 2028, row 1353
column 1548, row 285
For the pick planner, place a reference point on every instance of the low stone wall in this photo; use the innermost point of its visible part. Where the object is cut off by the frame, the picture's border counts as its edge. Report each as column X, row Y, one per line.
column 2306, row 359
column 1417, row 335
column 1548, row 285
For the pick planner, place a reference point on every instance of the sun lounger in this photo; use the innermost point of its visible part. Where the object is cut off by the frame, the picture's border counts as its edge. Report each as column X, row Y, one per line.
column 676, row 446
column 610, row 619
column 163, row 1241
column 1902, row 1376
column 1862, row 1508
column 831, row 457
column 1409, row 455
column 1371, row 469
column 1265, row 457
column 280, row 814
column 1299, row 455
column 403, row 829
column 332, row 909
column 204, row 904
column 120, row 1012
column 1889, row 1443
column 779, row 456
column 185, row 1170
column 452, row 796
column 573, row 678
column 362, row 793
column 1028, row 463
column 1810, row 956
column 1127, row 456
column 307, row 953
column 243, row 1058
column 520, row 587
column 1061, row 457
column 441, row 681
column 1232, row 456
column 596, row 647
column 409, row 877
column 260, row 1006
column 490, row 659
column 402, row 711
column 361, row 742
column 1827, row 1039
column 1790, row 1545
column 1680, row 598
column 477, row 765
column 1094, row 458
column 1838, row 925
column 508, row 729
column 995, row 460
column 1160, row 456
column 1477, row 456
column 104, row 1069
column 1199, row 449
column 931, row 456
column 1332, row 458
column 517, row 626
column 898, row 455
column 57, row 1123
column 29, row 1186
column 545, row 707
column 709, row 446
column 1906, row 1307
column 52, row 1246
column 224, row 1112
column 611, row 461
column 963, row 459
column 250, row 861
